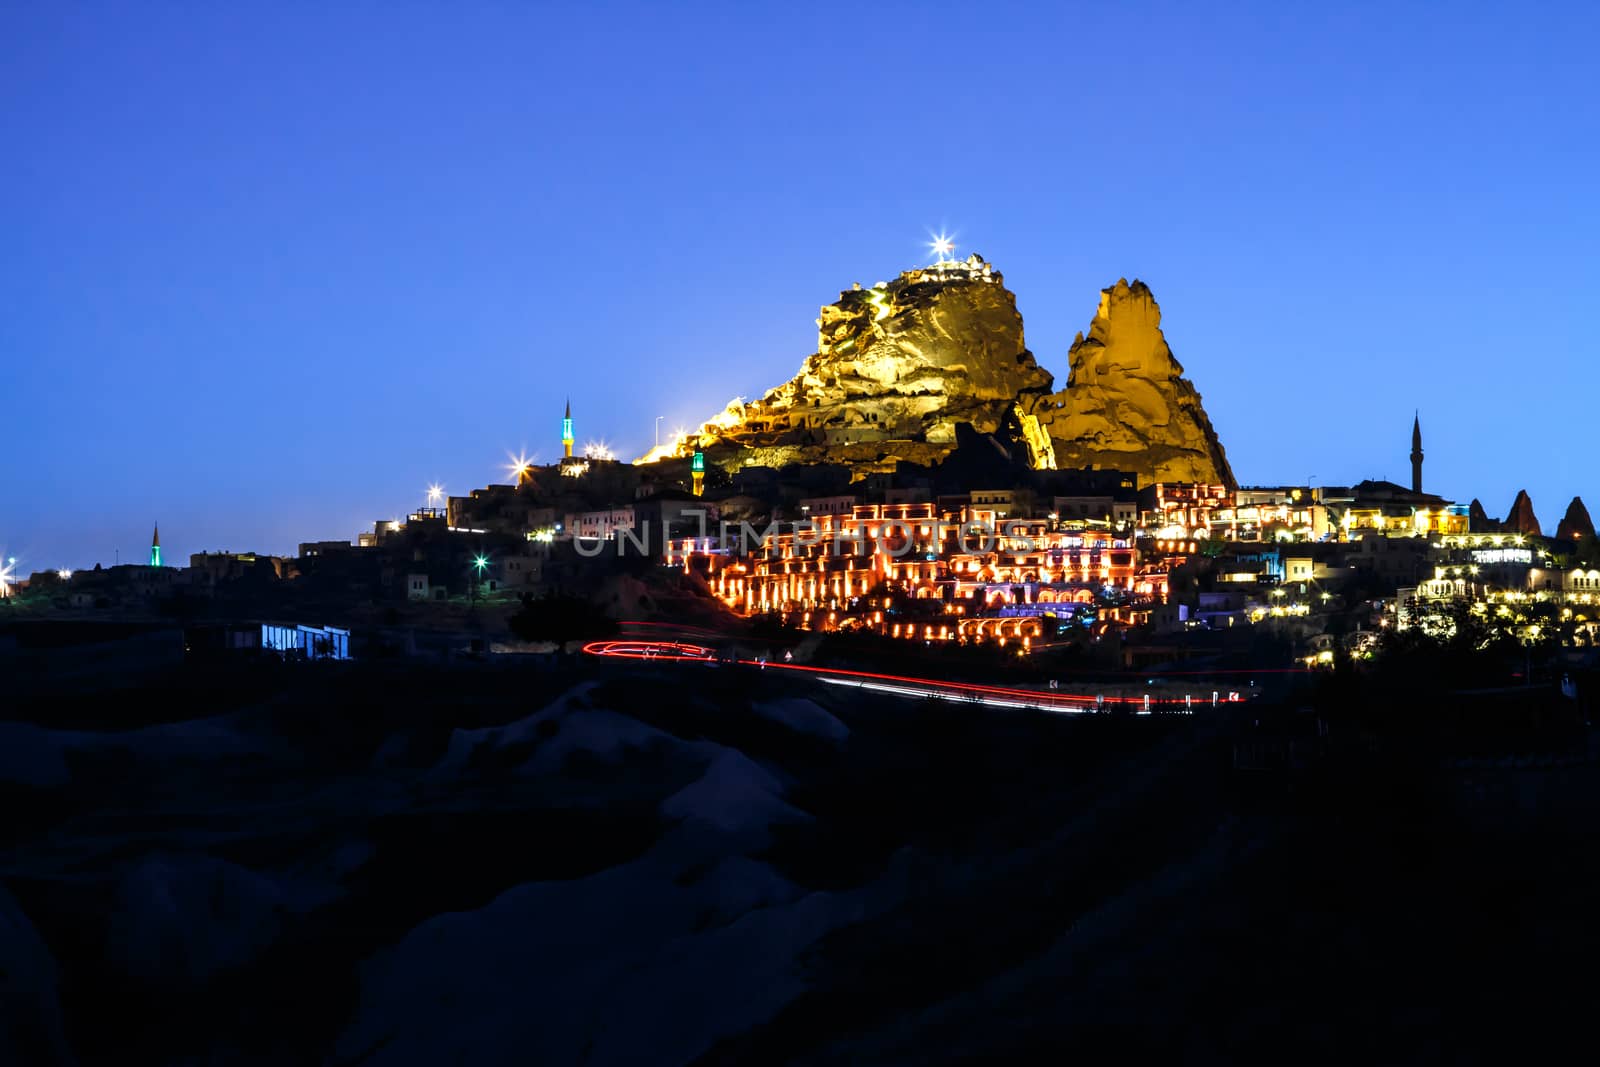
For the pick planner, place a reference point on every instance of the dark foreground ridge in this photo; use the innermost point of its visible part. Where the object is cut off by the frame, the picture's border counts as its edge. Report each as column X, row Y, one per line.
column 606, row 861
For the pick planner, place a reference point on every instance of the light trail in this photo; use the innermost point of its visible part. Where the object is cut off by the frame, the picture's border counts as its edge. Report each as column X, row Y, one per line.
column 703, row 631
column 895, row 684
column 1031, row 695
column 936, row 693
column 650, row 650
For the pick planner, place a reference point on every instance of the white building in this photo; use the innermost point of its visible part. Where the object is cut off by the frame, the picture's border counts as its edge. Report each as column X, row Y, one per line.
column 603, row 525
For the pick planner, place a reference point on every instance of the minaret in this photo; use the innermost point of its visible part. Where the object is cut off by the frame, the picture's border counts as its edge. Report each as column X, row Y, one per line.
column 566, row 430
column 155, row 547
column 1416, row 454
column 697, row 469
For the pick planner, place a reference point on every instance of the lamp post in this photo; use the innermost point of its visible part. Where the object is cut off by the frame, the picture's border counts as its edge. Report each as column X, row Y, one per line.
column 480, row 563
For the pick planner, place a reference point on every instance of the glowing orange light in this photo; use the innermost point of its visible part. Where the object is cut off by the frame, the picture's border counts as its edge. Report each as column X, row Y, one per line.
column 519, row 466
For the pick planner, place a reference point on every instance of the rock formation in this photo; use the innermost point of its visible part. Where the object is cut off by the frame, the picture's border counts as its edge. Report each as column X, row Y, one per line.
column 1478, row 520
column 1576, row 522
column 1521, row 519
column 1127, row 405
column 899, row 366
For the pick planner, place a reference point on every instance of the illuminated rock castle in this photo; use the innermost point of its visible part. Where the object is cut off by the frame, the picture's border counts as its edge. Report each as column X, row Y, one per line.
column 899, row 366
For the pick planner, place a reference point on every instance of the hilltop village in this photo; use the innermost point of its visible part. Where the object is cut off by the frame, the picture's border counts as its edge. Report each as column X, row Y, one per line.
column 922, row 479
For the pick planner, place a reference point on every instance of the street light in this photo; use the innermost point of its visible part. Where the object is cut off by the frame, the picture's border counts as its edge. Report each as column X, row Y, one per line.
column 480, row 563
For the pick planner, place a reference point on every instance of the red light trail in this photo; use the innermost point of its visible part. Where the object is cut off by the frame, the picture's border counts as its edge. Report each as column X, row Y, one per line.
column 903, row 685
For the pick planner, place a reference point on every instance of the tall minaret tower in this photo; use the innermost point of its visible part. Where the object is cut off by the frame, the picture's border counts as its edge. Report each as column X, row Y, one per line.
column 155, row 547
column 566, row 430
column 1416, row 454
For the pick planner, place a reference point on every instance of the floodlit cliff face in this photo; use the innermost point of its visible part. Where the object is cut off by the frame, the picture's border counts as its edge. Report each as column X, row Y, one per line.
column 897, row 366
column 900, row 365
column 1127, row 405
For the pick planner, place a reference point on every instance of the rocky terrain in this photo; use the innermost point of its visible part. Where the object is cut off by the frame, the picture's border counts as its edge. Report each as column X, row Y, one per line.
column 900, row 365
column 390, row 866
column 381, row 864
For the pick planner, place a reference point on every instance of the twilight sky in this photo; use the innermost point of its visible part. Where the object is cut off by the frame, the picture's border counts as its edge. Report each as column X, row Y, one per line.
column 268, row 273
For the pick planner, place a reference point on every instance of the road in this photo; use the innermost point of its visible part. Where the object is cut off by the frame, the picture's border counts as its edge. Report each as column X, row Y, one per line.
column 1053, row 700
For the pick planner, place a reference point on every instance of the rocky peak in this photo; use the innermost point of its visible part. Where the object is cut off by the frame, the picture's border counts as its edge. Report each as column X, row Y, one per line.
column 897, row 367
column 1127, row 405
column 1576, row 522
column 952, row 330
column 1478, row 520
column 1521, row 519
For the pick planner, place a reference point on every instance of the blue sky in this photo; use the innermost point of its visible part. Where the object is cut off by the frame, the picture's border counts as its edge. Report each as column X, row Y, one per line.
column 270, row 272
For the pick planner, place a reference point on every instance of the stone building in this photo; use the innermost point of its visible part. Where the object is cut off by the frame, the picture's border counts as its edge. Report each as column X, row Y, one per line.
column 974, row 574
